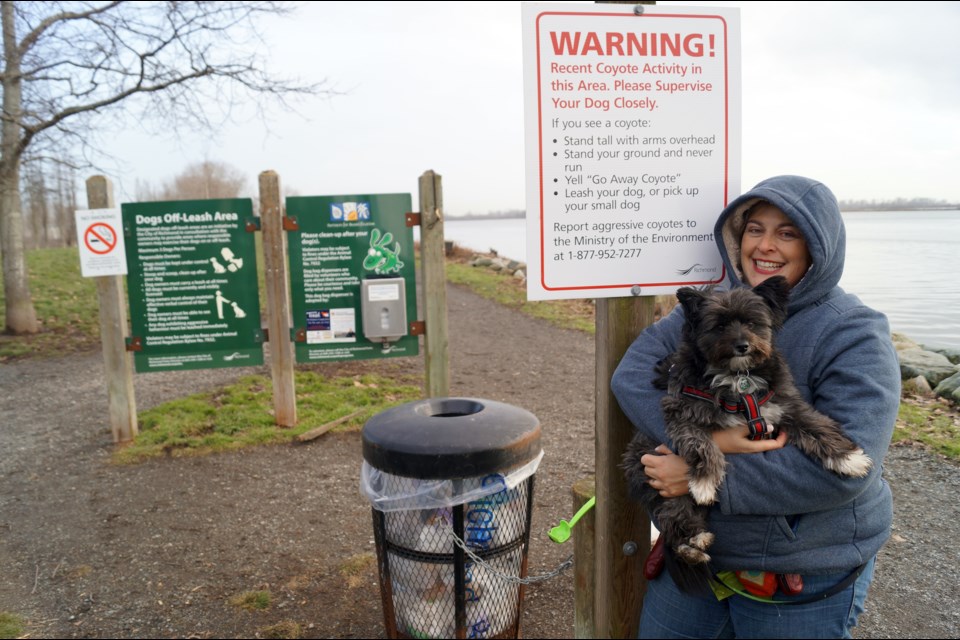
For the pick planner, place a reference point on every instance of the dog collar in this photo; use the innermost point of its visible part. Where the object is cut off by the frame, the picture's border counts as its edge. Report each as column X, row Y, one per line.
column 748, row 406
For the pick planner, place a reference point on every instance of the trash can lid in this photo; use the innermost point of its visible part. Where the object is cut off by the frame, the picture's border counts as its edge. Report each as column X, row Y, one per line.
column 450, row 438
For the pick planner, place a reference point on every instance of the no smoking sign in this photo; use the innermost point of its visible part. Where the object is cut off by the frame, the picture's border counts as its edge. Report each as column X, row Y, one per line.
column 100, row 240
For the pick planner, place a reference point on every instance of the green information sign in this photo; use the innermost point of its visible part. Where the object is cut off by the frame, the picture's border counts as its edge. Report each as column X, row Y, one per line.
column 353, row 293
column 192, row 284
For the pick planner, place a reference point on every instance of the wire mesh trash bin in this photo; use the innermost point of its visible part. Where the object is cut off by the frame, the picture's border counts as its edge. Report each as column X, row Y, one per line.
column 444, row 475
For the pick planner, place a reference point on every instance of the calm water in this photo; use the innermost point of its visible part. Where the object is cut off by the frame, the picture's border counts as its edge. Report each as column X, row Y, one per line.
column 905, row 264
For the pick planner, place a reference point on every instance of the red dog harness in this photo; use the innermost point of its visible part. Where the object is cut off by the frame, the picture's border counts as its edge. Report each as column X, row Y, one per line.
column 748, row 406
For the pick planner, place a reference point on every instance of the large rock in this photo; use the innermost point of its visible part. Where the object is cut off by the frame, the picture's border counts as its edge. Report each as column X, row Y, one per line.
column 918, row 385
column 932, row 366
column 949, row 388
column 902, row 342
column 953, row 355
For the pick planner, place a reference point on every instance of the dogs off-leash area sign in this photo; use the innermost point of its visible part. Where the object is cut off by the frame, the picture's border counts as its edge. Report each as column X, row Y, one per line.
column 194, row 299
column 633, row 146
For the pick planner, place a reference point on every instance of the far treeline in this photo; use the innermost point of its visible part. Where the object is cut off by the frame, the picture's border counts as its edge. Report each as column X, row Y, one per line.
column 50, row 198
column 899, row 204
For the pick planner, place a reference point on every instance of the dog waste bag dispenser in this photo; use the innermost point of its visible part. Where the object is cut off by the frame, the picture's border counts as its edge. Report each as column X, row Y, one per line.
column 384, row 310
column 440, row 472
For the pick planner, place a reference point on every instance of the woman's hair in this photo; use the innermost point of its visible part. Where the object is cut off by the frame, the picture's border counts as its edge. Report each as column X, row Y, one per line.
column 733, row 232
column 744, row 217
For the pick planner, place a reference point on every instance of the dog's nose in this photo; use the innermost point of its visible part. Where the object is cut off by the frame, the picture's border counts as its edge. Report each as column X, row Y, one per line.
column 742, row 347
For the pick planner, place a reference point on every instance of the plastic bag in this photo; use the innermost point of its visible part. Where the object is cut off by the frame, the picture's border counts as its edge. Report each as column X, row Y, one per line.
column 388, row 492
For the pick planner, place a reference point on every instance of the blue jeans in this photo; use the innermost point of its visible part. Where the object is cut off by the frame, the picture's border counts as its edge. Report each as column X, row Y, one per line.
column 670, row 613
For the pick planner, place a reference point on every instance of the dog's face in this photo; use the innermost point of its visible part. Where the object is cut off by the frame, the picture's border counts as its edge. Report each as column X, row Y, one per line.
column 733, row 330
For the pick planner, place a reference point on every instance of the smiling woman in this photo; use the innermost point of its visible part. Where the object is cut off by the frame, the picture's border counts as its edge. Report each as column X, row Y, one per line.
column 771, row 245
column 840, row 354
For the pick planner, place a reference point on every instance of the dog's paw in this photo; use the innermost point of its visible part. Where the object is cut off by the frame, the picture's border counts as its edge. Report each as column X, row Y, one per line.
column 703, row 490
column 701, row 541
column 856, row 464
column 691, row 555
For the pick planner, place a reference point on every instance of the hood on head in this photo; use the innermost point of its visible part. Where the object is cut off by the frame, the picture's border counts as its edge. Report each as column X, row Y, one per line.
column 812, row 207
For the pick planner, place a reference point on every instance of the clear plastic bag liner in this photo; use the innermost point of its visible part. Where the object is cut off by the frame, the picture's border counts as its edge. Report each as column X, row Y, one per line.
column 388, row 492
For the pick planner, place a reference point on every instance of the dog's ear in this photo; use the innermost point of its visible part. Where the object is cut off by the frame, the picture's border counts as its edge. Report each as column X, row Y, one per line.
column 775, row 292
column 692, row 300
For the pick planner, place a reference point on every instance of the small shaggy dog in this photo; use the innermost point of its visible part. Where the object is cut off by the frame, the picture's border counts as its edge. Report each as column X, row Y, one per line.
column 727, row 372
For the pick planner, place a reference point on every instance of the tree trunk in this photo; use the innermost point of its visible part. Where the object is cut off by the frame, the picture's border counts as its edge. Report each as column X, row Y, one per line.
column 66, row 206
column 21, row 317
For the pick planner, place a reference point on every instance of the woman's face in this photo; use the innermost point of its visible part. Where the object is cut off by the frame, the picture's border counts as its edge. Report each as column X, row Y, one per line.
column 772, row 246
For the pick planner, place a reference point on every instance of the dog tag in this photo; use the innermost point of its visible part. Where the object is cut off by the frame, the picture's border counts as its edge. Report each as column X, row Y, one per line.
column 745, row 384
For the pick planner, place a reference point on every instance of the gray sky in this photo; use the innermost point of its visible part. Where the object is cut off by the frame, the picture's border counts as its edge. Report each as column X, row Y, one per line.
column 863, row 96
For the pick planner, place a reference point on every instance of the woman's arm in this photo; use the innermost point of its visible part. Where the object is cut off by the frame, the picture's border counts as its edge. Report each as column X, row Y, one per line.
column 669, row 473
column 632, row 382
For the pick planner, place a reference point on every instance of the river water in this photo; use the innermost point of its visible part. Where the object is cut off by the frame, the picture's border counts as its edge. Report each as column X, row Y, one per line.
column 903, row 263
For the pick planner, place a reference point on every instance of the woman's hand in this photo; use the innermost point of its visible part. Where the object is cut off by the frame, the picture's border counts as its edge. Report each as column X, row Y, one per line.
column 668, row 471
column 737, row 440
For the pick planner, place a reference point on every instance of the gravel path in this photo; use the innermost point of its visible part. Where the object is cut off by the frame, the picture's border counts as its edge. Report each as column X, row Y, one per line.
column 88, row 549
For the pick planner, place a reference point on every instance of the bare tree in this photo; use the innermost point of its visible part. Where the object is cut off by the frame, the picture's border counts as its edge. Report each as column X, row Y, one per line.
column 50, row 199
column 37, row 210
column 66, row 204
column 71, row 67
column 204, row 180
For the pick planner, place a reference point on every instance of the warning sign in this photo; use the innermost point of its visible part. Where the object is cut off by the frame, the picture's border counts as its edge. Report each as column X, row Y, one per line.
column 633, row 146
column 101, row 244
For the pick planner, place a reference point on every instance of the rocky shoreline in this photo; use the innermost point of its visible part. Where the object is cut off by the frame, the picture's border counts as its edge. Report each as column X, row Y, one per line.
column 928, row 371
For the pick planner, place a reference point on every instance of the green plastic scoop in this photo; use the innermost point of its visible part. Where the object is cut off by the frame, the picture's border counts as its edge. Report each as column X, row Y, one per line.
column 561, row 532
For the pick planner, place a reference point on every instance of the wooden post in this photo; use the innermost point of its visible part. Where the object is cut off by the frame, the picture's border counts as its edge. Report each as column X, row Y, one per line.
column 622, row 525
column 584, row 583
column 278, row 300
column 432, row 262
column 118, row 365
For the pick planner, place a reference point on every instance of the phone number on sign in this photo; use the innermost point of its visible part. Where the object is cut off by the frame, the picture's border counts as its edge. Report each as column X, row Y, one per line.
column 602, row 254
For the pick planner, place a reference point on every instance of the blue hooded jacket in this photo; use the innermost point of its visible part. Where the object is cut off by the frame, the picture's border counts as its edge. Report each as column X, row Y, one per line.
column 781, row 511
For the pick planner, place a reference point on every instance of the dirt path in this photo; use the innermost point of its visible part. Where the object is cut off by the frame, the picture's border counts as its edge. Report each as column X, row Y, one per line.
column 155, row 550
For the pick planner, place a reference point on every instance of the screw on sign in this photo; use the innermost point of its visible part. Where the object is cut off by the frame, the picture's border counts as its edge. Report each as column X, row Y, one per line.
column 100, row 238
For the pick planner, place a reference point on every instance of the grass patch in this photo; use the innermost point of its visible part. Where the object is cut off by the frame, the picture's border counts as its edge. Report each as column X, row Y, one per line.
column 357, row 564
column 357, row 567
column 281, row 630
column 510, row 292
column 11, row 625
column 934, row 423
column 66, row 306
column 241, row 414
column 251, row 600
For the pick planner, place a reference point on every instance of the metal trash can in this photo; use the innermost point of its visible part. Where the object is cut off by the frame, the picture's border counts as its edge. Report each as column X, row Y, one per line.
column 441, row 470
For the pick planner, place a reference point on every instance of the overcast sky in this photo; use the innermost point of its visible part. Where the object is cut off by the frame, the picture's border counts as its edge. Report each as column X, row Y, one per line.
column 863, row 96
